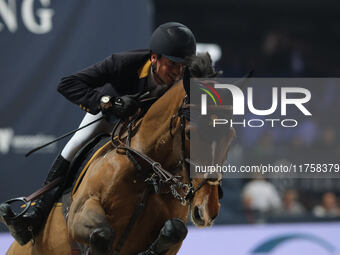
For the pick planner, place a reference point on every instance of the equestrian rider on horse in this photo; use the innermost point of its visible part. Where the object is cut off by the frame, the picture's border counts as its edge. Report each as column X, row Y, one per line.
column 108, row 88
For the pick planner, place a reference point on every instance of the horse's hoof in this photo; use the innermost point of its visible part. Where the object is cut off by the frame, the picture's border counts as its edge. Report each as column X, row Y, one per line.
column 175, row 230
column 101, row 241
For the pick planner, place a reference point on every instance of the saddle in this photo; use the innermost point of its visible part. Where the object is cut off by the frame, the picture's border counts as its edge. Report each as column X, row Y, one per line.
column 79, row 167
column 82, row 158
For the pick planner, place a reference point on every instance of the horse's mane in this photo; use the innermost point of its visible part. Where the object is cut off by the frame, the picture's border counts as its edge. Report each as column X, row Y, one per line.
column 167, row 103
column 201, row 66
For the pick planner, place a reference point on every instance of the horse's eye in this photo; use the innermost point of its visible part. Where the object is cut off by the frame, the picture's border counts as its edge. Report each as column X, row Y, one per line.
column 214, row 181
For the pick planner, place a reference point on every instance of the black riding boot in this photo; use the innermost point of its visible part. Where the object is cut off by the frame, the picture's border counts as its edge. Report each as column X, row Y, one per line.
column 25, row 227
column 173, row 232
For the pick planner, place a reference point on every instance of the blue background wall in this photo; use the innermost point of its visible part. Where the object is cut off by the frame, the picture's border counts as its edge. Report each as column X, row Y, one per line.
column 40, row 42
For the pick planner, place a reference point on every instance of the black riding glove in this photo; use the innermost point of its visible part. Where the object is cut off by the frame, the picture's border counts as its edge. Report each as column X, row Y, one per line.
column 123, row 107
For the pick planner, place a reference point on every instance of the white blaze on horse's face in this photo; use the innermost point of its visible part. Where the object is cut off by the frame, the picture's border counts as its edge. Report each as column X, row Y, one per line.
column 205, row 204
column 213, row 151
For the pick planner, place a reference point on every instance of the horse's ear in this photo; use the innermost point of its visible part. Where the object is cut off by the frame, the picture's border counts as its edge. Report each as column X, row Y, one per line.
column 240, row 83
column 186, row 81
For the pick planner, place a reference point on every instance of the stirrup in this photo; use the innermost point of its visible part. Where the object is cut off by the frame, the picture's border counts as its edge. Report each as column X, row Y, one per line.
column 22, row 199
column 19, row 229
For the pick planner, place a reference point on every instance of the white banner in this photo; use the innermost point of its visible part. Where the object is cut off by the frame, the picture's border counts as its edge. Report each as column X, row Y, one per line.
column 274, row 239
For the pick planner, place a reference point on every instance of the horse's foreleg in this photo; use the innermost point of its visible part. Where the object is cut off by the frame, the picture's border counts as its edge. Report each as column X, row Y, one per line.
column 87, row 224
column 170, row 238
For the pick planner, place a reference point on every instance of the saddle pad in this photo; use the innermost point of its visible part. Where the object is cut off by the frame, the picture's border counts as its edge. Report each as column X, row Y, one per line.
column 82, row 159
column 96, row 152
column 79, row 166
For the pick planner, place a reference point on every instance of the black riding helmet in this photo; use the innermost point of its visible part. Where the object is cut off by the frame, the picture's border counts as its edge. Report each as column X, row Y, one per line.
column 174, row 41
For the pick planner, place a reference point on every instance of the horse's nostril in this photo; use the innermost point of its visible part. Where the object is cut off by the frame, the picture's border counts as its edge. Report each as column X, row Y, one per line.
column 196, row 213
column 213, row 217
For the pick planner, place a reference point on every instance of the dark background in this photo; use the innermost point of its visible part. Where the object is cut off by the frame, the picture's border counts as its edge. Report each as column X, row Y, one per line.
column 31, row 66
column 276, row 39
column 264, row 35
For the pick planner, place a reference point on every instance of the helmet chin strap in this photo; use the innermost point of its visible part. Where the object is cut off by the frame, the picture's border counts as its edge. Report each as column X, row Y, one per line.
column 155, row 74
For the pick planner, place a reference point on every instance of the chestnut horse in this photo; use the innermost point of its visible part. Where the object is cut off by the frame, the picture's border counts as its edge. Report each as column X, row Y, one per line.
column 106, row 199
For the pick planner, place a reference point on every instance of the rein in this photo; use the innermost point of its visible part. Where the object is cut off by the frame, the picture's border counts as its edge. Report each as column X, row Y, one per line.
column 160, row 175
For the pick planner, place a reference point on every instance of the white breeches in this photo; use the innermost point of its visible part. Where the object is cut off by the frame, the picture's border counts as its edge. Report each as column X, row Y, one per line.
column 81, row 137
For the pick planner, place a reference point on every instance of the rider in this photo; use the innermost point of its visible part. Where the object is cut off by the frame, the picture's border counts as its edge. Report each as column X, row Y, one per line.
column 108, row 88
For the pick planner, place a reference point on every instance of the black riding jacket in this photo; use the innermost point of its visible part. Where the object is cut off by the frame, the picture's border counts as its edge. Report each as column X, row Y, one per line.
column 119, row 74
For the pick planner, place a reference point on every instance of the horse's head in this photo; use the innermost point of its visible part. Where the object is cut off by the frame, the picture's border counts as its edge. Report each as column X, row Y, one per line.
column 207, row 150
column 208, row 147
column 205, row 204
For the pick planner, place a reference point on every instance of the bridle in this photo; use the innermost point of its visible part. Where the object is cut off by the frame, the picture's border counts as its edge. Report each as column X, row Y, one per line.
column 160, row 175
column 184, row 114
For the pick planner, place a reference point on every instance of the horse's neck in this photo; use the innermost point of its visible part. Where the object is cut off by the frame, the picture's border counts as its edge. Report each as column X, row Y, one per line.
column 155, row 124
column 153, row 139
column 168, row 104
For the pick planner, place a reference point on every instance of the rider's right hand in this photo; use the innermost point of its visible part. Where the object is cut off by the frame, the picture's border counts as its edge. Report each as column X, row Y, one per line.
column 122, row 107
